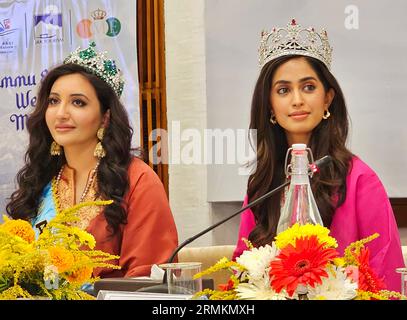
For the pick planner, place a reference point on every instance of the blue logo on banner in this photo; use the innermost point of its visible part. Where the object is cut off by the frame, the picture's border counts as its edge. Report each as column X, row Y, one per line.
column 48, row 25
column 49, row 20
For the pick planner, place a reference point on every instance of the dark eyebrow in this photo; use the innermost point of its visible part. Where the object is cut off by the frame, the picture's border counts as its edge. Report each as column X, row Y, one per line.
column 72, row 95
column 79, row 95
column 288, row 82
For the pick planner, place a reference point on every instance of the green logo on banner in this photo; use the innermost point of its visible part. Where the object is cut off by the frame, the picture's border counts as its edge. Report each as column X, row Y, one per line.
column 114, row 27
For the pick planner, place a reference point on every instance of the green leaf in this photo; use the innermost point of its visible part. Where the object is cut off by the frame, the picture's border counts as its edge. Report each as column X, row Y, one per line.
column 5, row 283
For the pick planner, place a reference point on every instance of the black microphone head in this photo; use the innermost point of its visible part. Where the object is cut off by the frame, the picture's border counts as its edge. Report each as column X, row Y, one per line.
column 320, row 163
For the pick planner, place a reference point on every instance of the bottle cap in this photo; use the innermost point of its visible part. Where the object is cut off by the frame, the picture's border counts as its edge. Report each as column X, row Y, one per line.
column 299, row 146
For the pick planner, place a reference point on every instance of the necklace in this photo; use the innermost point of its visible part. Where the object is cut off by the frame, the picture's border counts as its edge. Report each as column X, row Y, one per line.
column 88, row 182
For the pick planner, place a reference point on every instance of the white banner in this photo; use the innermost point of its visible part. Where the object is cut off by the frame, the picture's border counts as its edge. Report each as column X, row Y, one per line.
column 35, row 35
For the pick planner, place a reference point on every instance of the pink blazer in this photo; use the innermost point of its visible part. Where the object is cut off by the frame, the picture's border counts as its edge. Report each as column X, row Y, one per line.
column 365, row 211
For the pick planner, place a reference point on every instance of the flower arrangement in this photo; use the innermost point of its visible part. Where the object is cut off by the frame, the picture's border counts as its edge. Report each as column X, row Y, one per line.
column 302, row 263
column 55, row 265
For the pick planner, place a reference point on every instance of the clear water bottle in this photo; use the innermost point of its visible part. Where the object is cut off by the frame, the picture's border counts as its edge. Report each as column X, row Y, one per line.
column 403, row 274
column 299, row 206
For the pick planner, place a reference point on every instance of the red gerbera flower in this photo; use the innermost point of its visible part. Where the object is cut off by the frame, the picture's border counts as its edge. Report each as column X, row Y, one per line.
column 226, row 287
column 303, row 264
column 368, row 280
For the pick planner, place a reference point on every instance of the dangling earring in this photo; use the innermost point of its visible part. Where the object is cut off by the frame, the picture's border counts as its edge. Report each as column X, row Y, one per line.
column 99, row 151
column 273, row 119
column 55, row 149
column 326, row 115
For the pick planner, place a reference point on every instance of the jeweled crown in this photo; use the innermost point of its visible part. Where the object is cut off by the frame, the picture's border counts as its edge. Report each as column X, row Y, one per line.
column 295, row 40
column 97, row 64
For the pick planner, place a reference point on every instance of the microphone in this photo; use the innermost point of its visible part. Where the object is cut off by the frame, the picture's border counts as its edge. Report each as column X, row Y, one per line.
column 315, row 168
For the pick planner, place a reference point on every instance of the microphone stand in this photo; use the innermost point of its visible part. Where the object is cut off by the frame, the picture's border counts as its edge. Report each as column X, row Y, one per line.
column 251, row 204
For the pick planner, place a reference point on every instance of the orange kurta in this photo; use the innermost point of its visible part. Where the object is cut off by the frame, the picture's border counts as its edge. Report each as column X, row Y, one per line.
column 150, row 235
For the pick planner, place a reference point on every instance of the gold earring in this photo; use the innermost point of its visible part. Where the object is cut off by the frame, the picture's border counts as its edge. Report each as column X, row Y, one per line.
column 100, row 134
column 326, row 115
column 273, row 119
column 55, row 149
column 99, row 150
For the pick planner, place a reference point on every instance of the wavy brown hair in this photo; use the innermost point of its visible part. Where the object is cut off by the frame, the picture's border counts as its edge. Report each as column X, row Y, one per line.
column 328, row 138
column 40, row 167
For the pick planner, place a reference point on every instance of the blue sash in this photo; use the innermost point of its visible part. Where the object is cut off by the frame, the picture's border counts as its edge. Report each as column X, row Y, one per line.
column 46, row 210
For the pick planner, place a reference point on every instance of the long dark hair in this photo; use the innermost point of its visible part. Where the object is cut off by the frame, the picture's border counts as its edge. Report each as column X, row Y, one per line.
column 40, row 166
column 328, row 138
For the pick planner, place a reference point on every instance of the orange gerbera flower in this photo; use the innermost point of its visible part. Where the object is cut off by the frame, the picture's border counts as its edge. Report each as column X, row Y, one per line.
column 367, row 280
column 19, row 228
column 61, row 258
column 302, row 264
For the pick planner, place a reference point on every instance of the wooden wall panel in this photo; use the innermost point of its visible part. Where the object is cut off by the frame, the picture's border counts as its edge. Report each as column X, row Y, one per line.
column 399, row 206
column 151, row 62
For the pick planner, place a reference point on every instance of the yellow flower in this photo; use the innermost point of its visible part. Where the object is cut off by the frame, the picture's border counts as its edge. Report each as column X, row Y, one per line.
column 61, row 251
column 355, row 247
column 222, row 264
column 85, row 238
column 19, row 228
column 339, row 262
column 297, row 231
column 61, row 258
column 81, row 274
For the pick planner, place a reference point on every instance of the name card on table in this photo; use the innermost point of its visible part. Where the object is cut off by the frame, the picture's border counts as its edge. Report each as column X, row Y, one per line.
column 126, row 295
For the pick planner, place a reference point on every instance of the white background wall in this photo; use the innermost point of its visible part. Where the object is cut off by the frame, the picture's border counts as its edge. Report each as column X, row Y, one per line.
column 186, row 102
